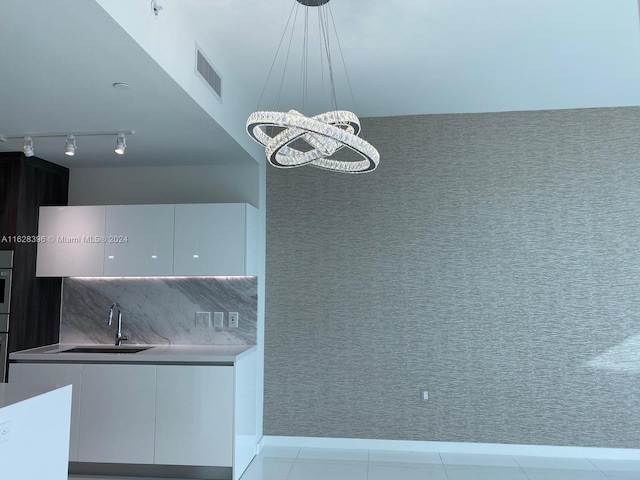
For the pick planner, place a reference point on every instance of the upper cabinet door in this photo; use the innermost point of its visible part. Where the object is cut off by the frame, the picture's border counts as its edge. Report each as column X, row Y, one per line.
column 71, row 241
column 215, row 239
column 139, row 240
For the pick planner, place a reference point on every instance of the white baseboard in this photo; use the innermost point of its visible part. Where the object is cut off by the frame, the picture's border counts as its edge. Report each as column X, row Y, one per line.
column 260, row 445
column 452, row 447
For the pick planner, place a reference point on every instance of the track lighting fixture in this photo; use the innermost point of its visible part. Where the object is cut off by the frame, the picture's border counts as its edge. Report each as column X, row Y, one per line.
column 70, row 146
column 27, row 147
column 121, row 144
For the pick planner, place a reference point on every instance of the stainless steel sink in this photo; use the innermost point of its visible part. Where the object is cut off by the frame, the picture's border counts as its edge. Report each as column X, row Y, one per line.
column 105, row 349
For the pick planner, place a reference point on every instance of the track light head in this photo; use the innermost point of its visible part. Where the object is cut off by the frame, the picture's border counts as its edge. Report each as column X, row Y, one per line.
column 27, row 147
column 121, row 144
column 70, row 146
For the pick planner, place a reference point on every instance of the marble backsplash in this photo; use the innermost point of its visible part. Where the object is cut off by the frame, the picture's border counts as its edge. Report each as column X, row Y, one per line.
column 158, row 310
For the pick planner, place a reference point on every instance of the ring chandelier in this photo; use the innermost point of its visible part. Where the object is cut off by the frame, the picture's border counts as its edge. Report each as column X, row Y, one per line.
column 325, row 133
column 292, row 139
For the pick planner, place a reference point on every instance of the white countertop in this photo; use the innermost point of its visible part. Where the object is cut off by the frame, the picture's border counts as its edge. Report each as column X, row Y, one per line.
column 207, row 354
column 15, row 393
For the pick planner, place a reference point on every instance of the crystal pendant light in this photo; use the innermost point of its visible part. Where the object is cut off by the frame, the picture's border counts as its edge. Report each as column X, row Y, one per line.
column 292, row 139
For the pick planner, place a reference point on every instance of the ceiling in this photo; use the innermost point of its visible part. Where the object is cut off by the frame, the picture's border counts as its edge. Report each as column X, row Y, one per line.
column 61, row 58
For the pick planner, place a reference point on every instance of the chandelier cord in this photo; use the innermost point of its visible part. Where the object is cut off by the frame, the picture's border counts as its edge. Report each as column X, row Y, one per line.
column 326, row 41
column 275, row 58
column 286, row 60
column 321, row 56
column 344, row 64
column 324, row 15
column 305, row 60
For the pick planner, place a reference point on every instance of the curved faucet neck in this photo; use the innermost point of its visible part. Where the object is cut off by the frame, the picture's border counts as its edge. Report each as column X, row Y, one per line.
column 119, row 336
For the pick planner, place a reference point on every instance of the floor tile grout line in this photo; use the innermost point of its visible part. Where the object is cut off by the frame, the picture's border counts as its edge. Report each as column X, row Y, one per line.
column 290, row 469
column 524, row 472
column 293, row 464
column 444, row 466
column 368, row 462
column 604, row 474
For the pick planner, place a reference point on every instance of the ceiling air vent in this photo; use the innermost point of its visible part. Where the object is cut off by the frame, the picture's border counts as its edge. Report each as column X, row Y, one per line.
column 208, row 73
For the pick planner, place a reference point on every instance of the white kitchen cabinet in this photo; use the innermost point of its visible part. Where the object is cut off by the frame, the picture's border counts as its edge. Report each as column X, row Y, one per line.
column 117, row 413
column 139, row 240
column 71, row 241
column 53, row 374
column 216, row 239
column 194, row 415
column 148, row 240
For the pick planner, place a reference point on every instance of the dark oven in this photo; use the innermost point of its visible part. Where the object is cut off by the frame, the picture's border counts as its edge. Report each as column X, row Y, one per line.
column 6, row 267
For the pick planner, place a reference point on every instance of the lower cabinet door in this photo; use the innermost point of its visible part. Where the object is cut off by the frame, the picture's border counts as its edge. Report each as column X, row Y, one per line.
column 53, row 374
column 117, row 413
column 194, row 415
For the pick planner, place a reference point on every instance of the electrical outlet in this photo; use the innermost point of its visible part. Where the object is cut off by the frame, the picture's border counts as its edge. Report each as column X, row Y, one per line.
column 425, row 395
column 233, row 319
column 5, row 431
column 218, row 319
column 203, row 319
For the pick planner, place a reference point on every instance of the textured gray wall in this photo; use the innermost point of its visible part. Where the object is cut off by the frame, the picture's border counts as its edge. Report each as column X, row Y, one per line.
column 493, row 259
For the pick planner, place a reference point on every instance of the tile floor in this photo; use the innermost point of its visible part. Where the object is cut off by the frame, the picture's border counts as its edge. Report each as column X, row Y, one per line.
column 327, row 464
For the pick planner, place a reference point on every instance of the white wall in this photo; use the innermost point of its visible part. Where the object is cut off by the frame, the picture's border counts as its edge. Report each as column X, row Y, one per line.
column 262, row 297
column 156, row 185
column 170, row 39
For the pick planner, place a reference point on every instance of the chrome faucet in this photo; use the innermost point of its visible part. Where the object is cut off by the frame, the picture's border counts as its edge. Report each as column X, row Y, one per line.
column 119, row 337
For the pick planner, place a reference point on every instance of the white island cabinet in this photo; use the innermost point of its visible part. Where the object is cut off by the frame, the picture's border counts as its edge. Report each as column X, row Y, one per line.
column 27, row 374
column 184, row 410
column 71, row 241
column 139, row 240
column 34, row 431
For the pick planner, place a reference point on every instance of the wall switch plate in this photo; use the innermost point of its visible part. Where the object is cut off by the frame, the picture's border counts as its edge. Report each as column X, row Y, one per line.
column 203, row 319
column 425, row 395
column 218, row 319
column 5, row 431
column 233, row 319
